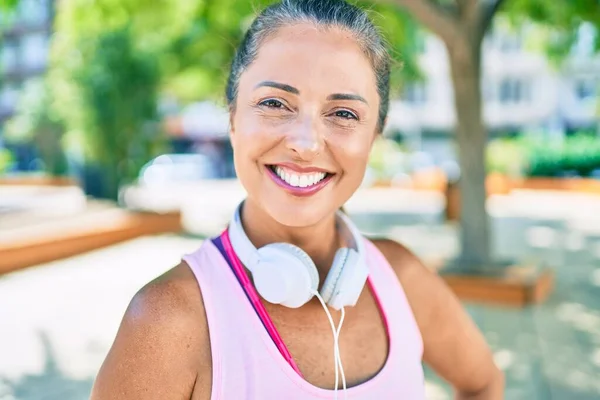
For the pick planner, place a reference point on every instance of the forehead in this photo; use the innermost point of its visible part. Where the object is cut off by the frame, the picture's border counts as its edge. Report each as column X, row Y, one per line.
column 313, row 58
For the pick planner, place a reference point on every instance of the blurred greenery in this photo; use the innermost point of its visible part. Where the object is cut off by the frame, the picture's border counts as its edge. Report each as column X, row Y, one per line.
column 387, row 159
column 564, row 17
column 6, row 160
column 554, row 25
column 35, row 122
column 120, row 110
column 112, row 61
column 7, row 5
column 535, row 155
column 194, row 41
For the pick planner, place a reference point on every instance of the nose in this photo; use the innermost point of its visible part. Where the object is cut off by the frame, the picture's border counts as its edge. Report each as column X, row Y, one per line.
column 305, row 139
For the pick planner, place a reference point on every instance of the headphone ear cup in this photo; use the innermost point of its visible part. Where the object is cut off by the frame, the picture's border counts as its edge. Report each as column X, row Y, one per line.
column 331, row 281
column 285, row 275
column 352, row 274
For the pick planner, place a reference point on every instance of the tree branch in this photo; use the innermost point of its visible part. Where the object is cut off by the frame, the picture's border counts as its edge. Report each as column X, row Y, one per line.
column 432, row 15
column 489, row 10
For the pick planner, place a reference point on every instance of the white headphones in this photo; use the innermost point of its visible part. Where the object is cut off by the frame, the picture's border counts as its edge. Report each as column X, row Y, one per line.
column 285, row 274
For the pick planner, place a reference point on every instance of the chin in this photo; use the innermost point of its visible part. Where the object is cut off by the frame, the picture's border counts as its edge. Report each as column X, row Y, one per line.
column 298, row 214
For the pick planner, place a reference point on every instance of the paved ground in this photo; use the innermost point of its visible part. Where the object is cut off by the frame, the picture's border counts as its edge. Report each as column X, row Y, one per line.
column 58, row 321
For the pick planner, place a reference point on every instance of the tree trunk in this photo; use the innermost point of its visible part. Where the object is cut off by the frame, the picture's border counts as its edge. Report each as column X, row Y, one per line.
column 471, row 135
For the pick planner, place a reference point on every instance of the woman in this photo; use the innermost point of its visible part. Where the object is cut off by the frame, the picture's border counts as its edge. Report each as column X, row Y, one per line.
column 308, row 94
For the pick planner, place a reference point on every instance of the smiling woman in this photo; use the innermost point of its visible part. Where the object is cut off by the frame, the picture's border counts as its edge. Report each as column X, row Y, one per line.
column 291, row 301
column 297, row 105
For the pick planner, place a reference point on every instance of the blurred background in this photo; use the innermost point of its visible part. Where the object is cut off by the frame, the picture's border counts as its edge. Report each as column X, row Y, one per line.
column 115, row 161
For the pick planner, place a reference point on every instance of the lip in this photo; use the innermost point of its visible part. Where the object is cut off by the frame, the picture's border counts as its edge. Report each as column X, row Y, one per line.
column 305, row 170
column 299, row 191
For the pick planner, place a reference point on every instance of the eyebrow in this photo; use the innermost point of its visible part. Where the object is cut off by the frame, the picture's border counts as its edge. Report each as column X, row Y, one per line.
column 293, row 90
column 277, row 85
column 346, row 96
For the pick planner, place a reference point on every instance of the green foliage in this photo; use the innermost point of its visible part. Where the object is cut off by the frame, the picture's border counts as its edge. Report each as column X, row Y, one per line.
column 111, row 60
column 555, row 24
column 506, row 156
column 36, row 122
column 559, row 14
column 6, row 159
column 404, row 38
column 7, row 5
column 196, row 62
column 120, row 107
column 534, row 155
column 194, row 41
column 387, row 159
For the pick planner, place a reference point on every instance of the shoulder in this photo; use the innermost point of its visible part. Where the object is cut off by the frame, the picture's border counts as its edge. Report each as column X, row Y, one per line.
column 170, row 306
column 162, row 343
column 453, row 345
column 426, row 292
column 417, row 281
column 404, row 262
column 171, row 299
column 392, row 250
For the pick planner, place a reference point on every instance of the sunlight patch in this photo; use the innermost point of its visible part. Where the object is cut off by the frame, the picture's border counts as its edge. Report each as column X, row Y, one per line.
column 596, row 357
column 504, row 359
column 435, row 392
column 596, row 278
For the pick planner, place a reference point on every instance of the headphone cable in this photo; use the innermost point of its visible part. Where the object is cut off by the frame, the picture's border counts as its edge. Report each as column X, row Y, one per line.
column 336, row 347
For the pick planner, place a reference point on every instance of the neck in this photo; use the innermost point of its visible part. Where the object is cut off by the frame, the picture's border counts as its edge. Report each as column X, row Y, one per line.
column 319, row 241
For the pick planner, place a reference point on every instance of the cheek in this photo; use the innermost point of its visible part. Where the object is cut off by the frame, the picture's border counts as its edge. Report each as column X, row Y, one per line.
column 352, row 153
column 248, row 139
column 251, row 141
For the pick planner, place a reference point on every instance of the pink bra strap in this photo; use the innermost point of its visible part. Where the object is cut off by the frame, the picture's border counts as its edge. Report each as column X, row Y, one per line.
column 242, row 275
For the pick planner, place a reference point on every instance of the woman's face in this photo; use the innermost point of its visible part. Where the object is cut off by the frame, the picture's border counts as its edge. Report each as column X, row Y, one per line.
column 304, row 122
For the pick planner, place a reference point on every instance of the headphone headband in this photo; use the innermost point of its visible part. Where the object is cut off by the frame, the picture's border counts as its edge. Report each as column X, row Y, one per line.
column 247, row 252
column 285, row 274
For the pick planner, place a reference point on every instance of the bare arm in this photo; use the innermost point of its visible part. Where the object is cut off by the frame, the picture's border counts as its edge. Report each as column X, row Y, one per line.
column 161, row 346
column 453, row 345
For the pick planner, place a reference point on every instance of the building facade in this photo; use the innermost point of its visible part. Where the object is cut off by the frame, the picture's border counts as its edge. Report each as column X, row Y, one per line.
column 521, row 88
column 24, row 49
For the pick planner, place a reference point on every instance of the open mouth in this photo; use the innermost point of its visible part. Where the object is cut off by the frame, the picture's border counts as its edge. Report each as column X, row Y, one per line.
column 300, row 180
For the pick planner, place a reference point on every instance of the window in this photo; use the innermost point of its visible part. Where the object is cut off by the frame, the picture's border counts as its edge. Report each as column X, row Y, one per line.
column 585, row 89
column 415, row 93
column 34, row 11
column 509, row 43
column 9, row 56
column 487, row 90
column 513, row 90
column 34, row 50
column 585, row 40
column 505, row 41
column 8, row 96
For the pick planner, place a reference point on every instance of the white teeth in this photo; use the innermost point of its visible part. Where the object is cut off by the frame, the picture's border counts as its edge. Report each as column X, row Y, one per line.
column 304, row 181
column 300, row 180
column 295, row 180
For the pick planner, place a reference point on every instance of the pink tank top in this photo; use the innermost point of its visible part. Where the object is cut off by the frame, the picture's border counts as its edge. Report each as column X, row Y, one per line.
column 247, row 364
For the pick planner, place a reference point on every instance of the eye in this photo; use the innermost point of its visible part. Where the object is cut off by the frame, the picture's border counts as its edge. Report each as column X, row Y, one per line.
column 272, row 103
column 345, row 114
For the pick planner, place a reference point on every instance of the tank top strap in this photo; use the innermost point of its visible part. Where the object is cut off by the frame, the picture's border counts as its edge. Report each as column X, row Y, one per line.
column 397, row 312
